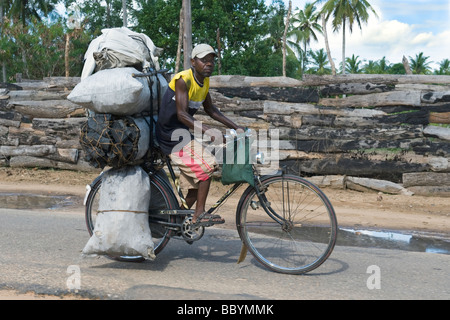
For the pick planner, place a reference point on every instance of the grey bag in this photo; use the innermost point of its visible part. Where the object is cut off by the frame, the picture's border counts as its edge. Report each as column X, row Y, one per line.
column 110, row 59
column 113, row 91
column 122, row 227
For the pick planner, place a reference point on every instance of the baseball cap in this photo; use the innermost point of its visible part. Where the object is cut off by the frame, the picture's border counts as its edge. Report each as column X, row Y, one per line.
column 202, row 50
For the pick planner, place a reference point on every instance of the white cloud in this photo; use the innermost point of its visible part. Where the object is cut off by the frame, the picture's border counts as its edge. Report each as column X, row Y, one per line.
column 392, row 39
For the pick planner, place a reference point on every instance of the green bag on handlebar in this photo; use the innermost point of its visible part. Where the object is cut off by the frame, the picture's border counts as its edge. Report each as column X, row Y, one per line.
column 237, row 166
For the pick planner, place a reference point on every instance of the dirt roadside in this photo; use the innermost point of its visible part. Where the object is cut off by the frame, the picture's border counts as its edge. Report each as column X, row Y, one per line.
column 359, row 210
column 353, row 208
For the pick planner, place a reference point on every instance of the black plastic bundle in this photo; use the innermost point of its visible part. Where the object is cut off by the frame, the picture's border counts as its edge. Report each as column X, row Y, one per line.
column 109, row 140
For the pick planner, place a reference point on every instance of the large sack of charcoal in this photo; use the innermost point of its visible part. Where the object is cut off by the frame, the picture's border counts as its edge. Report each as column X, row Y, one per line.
column 113, row 141
column 113, row 91
column 121, row 226
column 120, row 47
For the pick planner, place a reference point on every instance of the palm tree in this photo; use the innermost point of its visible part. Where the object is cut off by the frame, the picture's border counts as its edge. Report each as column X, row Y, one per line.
column 371, row 67
column 444, row 67
column 24, row 9
column 346, row 12
column 327, row 46
column 353, row 65
column 381, row 66
column 420, row 65
column 305, row 26
column 320, row 62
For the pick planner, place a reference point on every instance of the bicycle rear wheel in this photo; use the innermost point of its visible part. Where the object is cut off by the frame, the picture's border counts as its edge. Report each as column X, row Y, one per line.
column 161, row 199
column 300, row 232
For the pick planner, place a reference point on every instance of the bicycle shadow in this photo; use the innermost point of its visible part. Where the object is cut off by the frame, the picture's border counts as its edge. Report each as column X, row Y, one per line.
column 217, row 246
column 213, row 247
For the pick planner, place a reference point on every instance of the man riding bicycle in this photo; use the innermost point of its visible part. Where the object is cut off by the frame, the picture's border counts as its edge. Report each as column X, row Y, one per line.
column 187, row 91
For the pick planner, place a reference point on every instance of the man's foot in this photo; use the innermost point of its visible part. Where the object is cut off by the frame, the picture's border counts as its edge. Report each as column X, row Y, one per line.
column 207, row 219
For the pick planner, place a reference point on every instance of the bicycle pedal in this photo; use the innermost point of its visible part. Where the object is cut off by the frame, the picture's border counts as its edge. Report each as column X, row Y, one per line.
column 203, row 224
column 190, row 231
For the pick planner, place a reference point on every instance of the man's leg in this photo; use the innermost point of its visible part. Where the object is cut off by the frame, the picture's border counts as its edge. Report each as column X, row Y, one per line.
column 202, row 194
column 191, row 197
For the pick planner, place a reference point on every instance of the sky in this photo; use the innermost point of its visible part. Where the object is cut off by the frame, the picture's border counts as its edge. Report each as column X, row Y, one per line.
column 403, row 28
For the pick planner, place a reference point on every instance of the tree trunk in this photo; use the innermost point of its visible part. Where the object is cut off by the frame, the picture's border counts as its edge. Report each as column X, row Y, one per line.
column 315, row 80
column 393, row 98
column 180, row 41
column 426, row 179
column 125, row 15
column 440, row 117
column 1, row 24
column 330, row 59
column 66, row 55
column 284, row 37
column 406, row 65
column 343, row 46
column 219, row 55
column 108, row 14
column 187, row 30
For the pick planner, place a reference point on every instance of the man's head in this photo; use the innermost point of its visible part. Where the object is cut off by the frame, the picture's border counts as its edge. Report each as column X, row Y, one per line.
column 202, row 50
column 202, row 60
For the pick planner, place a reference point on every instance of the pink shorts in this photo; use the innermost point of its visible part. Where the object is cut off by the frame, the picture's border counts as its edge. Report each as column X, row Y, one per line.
column 195, row 163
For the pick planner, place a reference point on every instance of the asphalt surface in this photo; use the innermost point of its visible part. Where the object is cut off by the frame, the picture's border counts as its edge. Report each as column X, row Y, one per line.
column 41, row 253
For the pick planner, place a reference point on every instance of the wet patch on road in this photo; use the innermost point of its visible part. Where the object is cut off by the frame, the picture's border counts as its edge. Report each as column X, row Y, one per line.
column 17, row 200
column 389, row 239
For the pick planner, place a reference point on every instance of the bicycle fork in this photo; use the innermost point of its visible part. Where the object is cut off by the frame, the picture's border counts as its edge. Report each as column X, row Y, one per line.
column 266, row 204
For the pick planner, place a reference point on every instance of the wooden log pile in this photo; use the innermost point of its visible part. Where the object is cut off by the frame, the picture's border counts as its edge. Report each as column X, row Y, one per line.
column 39, row 127
column 380, row 127
column 357, row 127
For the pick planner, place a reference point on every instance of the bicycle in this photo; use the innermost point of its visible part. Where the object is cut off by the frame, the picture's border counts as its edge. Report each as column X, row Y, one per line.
column 285, row 221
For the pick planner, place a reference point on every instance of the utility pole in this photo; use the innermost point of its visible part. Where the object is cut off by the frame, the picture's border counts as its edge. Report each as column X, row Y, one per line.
column 1, row 26
column 187, row 30
column 125, row 13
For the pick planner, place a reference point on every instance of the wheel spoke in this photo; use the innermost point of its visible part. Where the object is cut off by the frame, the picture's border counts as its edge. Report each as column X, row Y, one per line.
column 305, row 237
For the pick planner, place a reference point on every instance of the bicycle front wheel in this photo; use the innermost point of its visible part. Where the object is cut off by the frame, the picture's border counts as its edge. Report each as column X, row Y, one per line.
column 292, row 229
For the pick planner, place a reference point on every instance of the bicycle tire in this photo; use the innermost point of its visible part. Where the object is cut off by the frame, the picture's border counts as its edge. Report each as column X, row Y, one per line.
column 303, row 235
column 162, row 199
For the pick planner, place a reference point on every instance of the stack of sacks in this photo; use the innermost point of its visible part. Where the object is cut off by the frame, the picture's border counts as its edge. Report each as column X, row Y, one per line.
column 108, row 87
column 117, row 134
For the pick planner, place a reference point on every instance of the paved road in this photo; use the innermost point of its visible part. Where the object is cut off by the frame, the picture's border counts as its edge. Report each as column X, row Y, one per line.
column 40, row 252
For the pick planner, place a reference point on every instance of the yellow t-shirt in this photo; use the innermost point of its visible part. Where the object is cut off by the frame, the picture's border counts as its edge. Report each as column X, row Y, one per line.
column 197, row 92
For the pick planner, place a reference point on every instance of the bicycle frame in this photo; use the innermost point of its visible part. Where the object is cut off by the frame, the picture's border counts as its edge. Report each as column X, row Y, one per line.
column 186, row 211
column 219, row 202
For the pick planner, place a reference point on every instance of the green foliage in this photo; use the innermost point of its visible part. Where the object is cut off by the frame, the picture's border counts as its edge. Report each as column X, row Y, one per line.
column 419, row 64
column 444, row 67
column 26, row 10
column 319, row 62
column 251, row 33
column 38, row 50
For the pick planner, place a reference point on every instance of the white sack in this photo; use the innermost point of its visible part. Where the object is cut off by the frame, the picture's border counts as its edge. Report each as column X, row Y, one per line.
column 121, row 227
column 121, row 40
column 113, row 91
